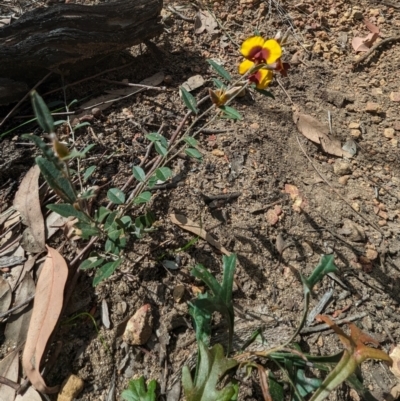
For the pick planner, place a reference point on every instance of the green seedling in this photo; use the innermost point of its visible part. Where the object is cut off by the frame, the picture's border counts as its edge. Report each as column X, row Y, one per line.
column 137, row 390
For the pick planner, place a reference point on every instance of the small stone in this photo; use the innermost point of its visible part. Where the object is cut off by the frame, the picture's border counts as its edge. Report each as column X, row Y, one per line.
column 382, row 214
column 382, row 223
column 343, row 180
column 395, row 96
column 218, row 152
column 355, row 206
column 388, row 133
column 354, row 125
column 396, row 125
column 70, row 389
column 342, row 168
column 371, row 254
column 356, row 14
column 372, row 107
column 374, row 12
column 394, row 143
column 96, row 112
column 376, row 91
column 381, row 20
column 355, row 133
column 254, row 126
column 139, row 327
column 168, row 79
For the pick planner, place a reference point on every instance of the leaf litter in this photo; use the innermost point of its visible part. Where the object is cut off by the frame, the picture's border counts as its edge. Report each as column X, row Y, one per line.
column 46, row 312
column 9, row 367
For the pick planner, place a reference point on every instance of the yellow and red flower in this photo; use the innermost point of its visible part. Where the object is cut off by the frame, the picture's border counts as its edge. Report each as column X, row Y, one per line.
column 256, row 51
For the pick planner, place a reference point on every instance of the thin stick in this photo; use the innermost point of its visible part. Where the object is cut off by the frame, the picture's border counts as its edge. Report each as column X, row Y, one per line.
column 157, row 88
column 23, row 99
column 336, row 192
column 181, row 16
column 373, row 48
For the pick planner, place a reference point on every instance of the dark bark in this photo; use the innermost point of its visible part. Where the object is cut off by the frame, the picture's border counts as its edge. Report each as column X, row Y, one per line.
column 61, row 35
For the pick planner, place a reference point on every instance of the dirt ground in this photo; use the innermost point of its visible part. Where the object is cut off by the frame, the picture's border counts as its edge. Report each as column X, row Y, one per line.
column 352, row 212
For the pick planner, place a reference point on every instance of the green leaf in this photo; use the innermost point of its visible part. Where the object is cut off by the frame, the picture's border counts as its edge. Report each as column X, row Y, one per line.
column 57, row 181
column 124, row 222
column 67, row 210
column 163, row 173
column 114, row 234
column 81, row 125
column 306, row 385
column 212, row 366
column 88, row 172
column 47, row 151
column 88, row 194
column 156, row 137
column 220, row 70
column 116, row 196
column 190, row 141
column 218, row 83
column 102, row 213
column 105, row 271
column 161, row 150
column 152, row 181
column 189, row 100
column 91, row 262
column 326, row 265
column 139, row 173
column 231, row 113
column 110, row 220
column 275, row 389
column 42, row 113
column 87, row 148
column 221, row 301
column 202, row 320
column 144, row 197
column 137, row 391
column 265, row 93
column 88, row 230
column 192, row 152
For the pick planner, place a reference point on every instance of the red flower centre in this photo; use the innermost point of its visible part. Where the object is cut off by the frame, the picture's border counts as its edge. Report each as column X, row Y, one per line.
column 259, row 55
column 255, row 77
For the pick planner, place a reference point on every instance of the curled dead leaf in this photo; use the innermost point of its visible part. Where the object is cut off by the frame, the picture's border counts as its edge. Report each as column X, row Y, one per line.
column 317, row 132
column 189, row 225
column 46, row 312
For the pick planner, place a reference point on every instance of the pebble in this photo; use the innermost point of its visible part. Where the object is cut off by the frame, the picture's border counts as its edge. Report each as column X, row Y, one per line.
column 394, row 143
column 355, row 206
column 139, row 327
column 372, row 107
column 395, row 96
column 71, row 387
column 168, row 79
column 388, row 133
column 343, row 180
column 355, row 133
column 342, row 168
column 371, row 254
column 354, row 125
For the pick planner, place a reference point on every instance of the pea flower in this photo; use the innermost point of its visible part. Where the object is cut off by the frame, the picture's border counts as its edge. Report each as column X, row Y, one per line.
column 256, row 51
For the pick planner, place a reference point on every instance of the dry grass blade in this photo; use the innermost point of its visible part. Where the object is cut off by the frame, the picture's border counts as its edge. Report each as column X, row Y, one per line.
column 189, row 225
column 28, row 204
column 9, row 370
column 46, row 312
column 317, row 132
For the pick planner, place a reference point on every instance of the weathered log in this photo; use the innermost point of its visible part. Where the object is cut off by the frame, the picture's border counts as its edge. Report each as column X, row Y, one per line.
column 60, row 35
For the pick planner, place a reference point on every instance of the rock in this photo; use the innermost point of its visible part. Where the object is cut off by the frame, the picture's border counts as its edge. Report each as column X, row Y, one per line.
column 396, row 125
column 218, row 152
column 353, row 231
column 355, row 133
column 394, row 143
column 356, row 206
column 388, row 133
column 395, row 96
column 372, row 107
column 168, row 79
column 357, row 15
column 343, row 180
column 139, row 327
column 342, row 168
column 71, row 387
column 371, row 254
column 354, row 125
column 376, row 91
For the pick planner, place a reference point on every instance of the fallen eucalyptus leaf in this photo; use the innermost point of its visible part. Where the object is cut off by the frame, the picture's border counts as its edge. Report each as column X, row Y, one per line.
column 27, row 202
column 46, row 312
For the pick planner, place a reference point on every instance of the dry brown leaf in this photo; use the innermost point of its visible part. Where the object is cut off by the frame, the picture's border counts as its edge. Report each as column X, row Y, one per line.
column 27, row 202
column 373, row 28
column 18, row 323
column 5, row 295
column 204, row 21
column 54, row 222
column 189, row 225
column 317, row 132
column 9, row 369
column 17, row 271
column 46, row 312
column 363, row 44
column 194, row 82
column 395, row 355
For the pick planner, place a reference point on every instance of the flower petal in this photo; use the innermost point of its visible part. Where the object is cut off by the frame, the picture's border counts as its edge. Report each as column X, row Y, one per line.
column 250, row 46
column 245, row 66
column 264, row 78
column 274, row 50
